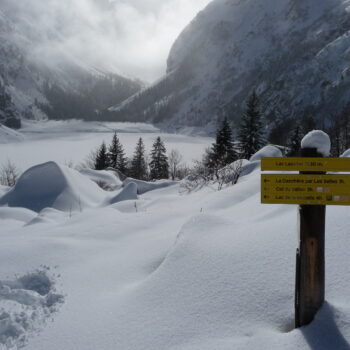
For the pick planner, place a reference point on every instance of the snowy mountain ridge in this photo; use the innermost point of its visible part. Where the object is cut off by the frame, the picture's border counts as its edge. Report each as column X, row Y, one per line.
column 293, row 53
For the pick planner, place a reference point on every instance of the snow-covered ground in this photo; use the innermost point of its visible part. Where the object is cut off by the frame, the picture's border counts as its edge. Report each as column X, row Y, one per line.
column 8, row 135
column 72, row 141
column 200, row 271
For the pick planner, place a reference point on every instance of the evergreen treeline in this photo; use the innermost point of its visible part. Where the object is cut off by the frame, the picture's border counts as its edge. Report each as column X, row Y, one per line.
column 138, row 166
column 8, row 115
column 228, row 147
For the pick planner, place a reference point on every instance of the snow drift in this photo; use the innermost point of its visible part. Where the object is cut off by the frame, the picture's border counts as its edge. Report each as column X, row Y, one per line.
column 144, row 186
column 8, row 135
column 104, row 178
column 203, row 271
column 346, row 154
column 265, row 152
column 54, row 186
column 129, row 192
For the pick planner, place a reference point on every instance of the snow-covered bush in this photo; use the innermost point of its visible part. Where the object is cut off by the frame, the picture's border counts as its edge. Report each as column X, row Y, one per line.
column 9, row 174
column 230, row 174
column 199, row 176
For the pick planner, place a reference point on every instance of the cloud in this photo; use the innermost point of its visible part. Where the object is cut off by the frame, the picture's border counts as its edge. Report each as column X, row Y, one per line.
column 132, row 37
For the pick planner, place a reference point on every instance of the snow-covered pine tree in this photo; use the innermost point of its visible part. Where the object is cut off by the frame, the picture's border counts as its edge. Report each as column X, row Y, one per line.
column 8, row 115
column 159, row 165
column 308, row 123
column 294, row 143
column 222, row 151
column 138, row 164
column 250, row 133
column 101, row 161
column 116, row 155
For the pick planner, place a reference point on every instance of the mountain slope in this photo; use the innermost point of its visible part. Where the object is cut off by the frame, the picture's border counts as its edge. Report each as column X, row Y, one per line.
column 60, row 86
column 294, row 53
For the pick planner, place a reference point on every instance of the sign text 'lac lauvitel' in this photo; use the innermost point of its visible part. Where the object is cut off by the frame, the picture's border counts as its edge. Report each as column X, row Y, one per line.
column 305, row 189
column 306, row 164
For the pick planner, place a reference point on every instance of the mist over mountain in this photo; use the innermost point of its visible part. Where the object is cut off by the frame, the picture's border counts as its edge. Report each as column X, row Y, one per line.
column 39, row 80
column 294, row 54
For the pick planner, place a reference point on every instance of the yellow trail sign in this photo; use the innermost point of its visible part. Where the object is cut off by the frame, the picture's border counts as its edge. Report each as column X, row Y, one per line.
column 306, row 164
column 305, row 189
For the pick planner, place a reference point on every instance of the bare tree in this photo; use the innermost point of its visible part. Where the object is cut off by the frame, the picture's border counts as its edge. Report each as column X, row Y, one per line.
column 89, row 161
column 175, row 160
column 183, row 171
column 230, row 174
column 198, row 177
column 9, row 174
column 201, row 176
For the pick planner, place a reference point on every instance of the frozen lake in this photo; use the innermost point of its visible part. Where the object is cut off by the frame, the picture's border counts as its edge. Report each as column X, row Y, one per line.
column 72, row 141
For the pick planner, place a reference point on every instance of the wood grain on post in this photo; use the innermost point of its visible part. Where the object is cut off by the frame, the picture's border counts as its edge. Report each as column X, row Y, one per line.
column 310, row 280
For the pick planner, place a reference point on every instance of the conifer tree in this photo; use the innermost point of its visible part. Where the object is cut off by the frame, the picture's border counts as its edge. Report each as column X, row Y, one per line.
column 222, row 151
column 294, row 144
column 101, row 161
column 138, row 164
column 116, row 155
column 250, row 134
column 308, row 123
column 159, row 165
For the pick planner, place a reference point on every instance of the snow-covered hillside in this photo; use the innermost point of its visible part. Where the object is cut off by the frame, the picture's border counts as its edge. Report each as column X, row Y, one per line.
column 160, row 270
column 8, row 135
column 295, row 54
column 59, row 86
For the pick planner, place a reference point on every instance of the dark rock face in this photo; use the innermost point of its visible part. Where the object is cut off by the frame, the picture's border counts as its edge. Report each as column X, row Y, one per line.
column 294, row 53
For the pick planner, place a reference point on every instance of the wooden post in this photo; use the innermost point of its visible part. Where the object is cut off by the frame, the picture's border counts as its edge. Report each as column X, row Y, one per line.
column 310, row 273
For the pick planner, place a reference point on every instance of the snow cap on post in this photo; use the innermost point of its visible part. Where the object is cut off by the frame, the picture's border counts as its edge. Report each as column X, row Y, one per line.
column 319, row 140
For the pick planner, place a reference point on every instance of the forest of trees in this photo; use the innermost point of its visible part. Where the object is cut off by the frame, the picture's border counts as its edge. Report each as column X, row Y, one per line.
column 223, row 158
column 229, row 146
column 8, row 115
column 138, row 167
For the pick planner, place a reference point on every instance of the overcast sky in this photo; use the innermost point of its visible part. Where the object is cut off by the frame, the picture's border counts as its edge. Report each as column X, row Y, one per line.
column 132, row 36
column 149, row 29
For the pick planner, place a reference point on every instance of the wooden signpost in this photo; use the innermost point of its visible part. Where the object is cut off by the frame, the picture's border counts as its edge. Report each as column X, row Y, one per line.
column 312, row 189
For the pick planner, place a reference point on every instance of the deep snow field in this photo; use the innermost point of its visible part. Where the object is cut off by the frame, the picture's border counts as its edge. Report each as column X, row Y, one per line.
column 71, row 141
column 159, row 270
column 148, row 266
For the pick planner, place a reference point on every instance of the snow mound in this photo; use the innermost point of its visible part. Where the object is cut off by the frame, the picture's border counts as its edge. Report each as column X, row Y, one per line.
column 346, row 154
column 129, row 192
column 144, row 187
column 54, row 186
column 3, row 190
column 26, row 304
column 266, row 152
column 117, row 173
column 48, row 216
column 8, row 135
column 18, row 214
column 249, row 167
column 319, row 140
column 104, row 178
